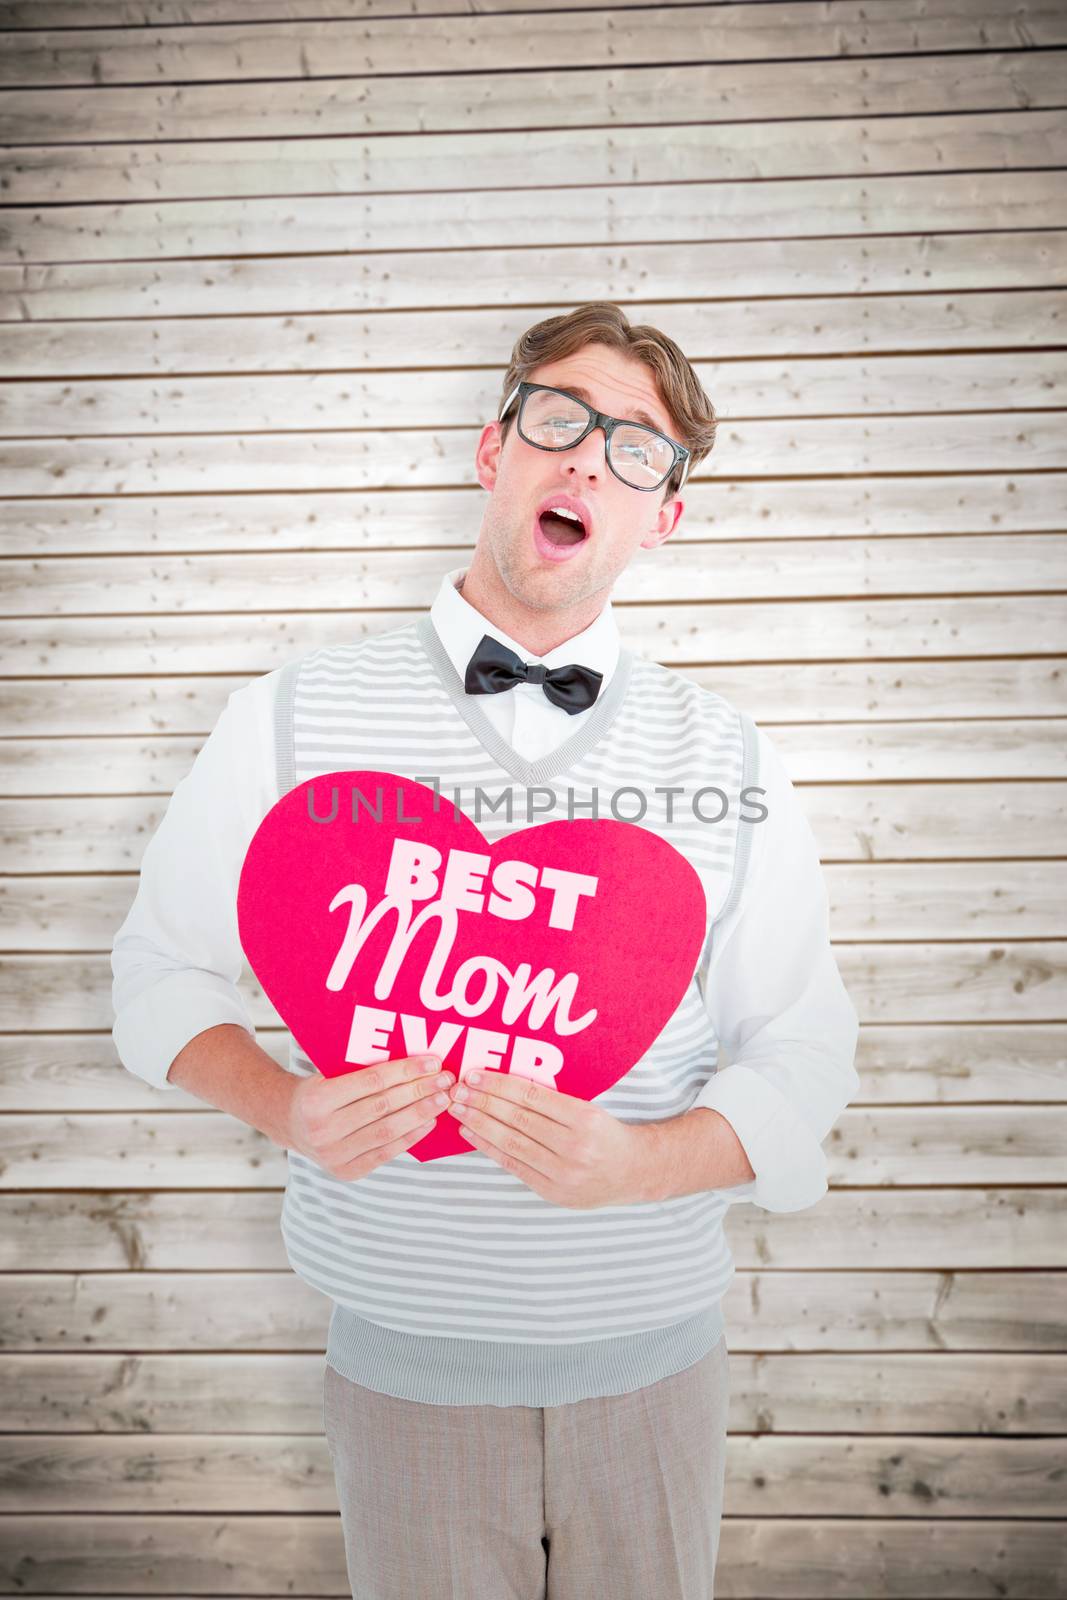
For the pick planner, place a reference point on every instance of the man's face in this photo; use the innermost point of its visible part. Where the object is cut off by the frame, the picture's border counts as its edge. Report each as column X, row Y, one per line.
column 521, row 479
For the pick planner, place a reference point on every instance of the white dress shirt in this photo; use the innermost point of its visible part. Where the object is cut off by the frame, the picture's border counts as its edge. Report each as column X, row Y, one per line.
column 787, row 1028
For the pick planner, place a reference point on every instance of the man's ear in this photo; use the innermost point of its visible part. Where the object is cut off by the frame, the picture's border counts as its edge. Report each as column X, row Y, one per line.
column 670, row 514
column 487, row 455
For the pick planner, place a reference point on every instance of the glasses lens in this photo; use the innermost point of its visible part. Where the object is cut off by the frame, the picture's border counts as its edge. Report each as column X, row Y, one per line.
column 552, row 420
column 641, row 457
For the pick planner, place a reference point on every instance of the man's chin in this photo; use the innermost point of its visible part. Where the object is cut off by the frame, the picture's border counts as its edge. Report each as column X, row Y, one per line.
column 553, row 589
column 544, row 585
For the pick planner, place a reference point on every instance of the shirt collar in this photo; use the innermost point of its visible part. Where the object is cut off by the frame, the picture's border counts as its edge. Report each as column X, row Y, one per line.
column 460, row 626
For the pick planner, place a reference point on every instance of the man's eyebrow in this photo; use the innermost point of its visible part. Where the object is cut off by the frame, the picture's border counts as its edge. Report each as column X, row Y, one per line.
column 635, row 416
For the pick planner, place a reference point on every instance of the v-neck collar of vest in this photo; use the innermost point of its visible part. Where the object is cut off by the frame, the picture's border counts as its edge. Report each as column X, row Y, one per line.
column 554, row 762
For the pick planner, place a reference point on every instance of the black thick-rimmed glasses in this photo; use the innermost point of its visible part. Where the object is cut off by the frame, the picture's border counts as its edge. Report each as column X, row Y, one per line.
column 553, row 419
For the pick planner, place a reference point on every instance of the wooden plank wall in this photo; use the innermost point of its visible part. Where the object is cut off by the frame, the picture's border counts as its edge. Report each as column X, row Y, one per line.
column 262, row 265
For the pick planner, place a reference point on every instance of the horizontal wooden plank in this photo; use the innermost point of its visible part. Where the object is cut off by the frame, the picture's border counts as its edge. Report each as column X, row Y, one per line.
column 883, row 900
column 888, row 1145
column 971, row 1228
column 953, row 982
column 785, row 1559
column 366, row 458
column 50, row 14
column 398, row 519
column 892, row 1476
column 957, row 1064
column 821, row 692
column 957, row 1393
column 721, row 330
column 741, row 390
column 948, row 1144
column 82, row 1072
column 277, row 48
column 44, row 175
column 951, row 1064
column 774, row 1559
column 553, row 279
column 198, row 1148
column 264, row 1311
column 767, row 569
column 1017, row 982
column 63, row 14
column 655, row 95
column 140, row 13
column 983, row 750
column 65, row 835
column 896, row 900
column 485, row 219
column 79, row 996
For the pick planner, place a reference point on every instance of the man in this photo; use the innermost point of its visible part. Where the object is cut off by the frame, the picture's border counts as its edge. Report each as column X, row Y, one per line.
column 526, row 1384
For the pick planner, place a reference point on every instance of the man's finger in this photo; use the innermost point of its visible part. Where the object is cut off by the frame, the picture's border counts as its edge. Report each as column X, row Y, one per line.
column 494, row 1135
column 349, row 1087
column 519, row 1091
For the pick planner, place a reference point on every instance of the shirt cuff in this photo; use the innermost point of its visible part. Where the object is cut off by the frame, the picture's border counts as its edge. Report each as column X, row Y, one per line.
column 788, row 1160
column 153, row 1028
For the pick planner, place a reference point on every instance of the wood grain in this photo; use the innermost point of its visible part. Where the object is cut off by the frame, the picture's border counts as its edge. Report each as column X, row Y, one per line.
column 258, row 288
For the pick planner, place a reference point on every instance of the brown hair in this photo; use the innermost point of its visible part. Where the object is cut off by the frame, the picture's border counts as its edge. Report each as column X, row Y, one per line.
column 601, row 322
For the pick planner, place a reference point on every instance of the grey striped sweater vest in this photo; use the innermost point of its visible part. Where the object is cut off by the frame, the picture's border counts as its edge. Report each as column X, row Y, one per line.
column 453, row 1282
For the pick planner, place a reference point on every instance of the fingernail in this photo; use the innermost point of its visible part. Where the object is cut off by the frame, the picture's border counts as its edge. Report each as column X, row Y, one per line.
column 474, row 1075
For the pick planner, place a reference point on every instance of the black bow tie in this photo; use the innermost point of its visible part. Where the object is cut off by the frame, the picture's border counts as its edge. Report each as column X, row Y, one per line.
column 493, row 668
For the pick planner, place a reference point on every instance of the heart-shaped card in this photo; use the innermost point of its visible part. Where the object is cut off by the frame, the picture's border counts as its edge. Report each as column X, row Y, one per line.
column 382, row 923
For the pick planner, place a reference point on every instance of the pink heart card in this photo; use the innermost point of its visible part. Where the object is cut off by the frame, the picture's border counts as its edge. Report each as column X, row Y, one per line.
column 382, row 923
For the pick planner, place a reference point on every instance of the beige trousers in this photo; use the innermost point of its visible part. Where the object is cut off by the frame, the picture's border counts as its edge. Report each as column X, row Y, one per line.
column 618, row 1496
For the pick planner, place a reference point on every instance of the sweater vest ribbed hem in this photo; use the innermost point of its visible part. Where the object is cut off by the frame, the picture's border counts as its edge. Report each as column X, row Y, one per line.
column 457, row 1372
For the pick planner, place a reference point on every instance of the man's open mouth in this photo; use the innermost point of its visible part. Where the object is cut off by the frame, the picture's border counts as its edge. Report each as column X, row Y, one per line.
column 561, row 526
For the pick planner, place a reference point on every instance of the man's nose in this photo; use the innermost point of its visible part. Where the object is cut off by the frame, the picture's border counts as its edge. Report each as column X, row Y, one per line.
column 590, row 455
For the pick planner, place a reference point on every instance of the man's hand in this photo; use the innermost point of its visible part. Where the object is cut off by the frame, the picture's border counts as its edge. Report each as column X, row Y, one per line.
column 356, row 1122
column 567, row 1150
